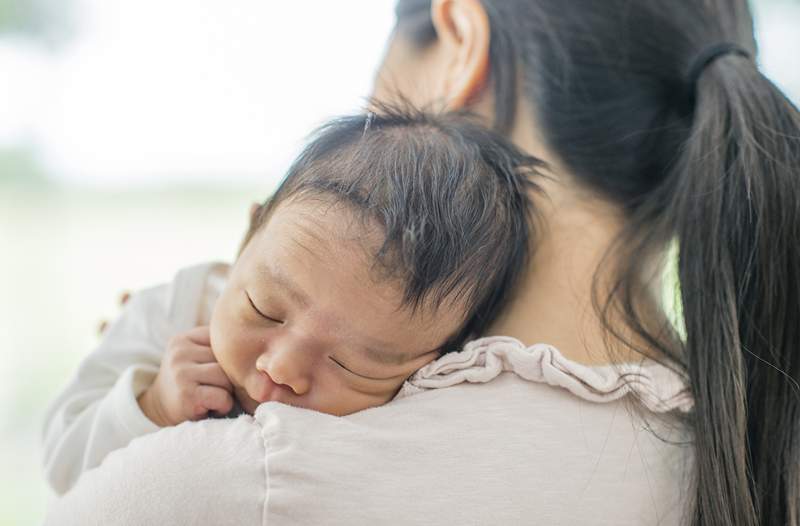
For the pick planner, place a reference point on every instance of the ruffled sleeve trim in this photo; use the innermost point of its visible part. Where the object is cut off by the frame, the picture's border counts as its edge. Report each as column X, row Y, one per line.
column 659, row 388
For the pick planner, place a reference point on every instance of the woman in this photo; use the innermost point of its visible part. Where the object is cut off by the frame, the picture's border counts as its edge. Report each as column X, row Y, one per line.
column 656, row 125
column 659, row 124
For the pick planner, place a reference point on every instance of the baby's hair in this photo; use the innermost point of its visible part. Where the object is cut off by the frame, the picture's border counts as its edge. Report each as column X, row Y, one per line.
column 452, row 198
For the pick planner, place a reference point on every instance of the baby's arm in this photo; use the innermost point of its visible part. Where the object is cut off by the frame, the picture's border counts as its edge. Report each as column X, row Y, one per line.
column 144, row 375
column 98, row 412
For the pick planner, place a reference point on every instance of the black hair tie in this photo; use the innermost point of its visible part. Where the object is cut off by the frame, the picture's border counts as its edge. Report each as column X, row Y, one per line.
column 707, row 56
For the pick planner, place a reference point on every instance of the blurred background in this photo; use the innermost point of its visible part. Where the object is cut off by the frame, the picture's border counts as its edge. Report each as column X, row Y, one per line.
column 134, row 134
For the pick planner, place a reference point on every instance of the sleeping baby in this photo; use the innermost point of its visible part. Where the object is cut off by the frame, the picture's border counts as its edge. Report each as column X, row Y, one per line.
column 395, row 237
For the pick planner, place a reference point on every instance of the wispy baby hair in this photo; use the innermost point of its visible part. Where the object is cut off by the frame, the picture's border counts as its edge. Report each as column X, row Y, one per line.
column 452, row 198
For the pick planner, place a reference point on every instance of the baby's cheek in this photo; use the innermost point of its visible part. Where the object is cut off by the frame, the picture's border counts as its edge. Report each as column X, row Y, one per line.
column 358, row 401
column 226, row 321
column 216, row 331
column 222, row 335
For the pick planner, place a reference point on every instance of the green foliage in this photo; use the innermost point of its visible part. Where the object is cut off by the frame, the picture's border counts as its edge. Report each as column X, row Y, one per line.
column 20, row 167
column 48, row 21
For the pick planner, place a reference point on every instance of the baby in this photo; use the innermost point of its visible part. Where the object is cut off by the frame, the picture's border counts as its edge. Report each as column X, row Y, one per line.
column 393, row 239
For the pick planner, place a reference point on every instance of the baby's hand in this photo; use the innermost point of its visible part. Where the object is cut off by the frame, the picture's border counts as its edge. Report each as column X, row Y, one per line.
column 189, row 384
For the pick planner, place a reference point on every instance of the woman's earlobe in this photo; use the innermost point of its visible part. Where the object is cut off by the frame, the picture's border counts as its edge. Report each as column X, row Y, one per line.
column 463, row 30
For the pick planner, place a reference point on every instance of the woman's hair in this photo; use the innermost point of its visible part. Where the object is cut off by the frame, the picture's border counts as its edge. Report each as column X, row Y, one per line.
column 714, row 164
column 451, row 198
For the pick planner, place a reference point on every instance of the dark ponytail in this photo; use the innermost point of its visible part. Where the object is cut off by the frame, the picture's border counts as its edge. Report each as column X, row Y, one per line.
column 736, row 212
column 718, row 169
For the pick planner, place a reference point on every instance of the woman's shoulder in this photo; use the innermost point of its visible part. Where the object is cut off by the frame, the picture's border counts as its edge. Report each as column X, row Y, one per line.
column 498, row 433
column 506, row 451
column 206, row 472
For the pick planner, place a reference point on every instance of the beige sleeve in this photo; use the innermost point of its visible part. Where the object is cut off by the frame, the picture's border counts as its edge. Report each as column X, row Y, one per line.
column 207, row 472
column 97, row 411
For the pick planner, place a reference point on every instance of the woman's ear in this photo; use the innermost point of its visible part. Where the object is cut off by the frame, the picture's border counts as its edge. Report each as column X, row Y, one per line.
column 463, row 31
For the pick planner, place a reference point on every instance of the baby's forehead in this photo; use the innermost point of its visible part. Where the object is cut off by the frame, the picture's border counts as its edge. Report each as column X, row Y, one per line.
column 337, row 241
column 321, row 257
column 331, row 238
column 322, row 224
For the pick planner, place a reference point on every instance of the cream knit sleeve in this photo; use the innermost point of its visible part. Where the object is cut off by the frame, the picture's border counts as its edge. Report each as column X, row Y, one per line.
column 97, row 411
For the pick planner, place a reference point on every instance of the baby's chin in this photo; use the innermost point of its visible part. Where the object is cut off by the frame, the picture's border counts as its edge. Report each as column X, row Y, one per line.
column 247, row 404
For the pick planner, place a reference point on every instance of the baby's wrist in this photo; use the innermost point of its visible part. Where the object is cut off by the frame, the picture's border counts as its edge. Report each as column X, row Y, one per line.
column 150, row 407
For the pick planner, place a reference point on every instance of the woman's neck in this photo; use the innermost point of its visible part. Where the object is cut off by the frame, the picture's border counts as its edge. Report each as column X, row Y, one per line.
column 553, row 304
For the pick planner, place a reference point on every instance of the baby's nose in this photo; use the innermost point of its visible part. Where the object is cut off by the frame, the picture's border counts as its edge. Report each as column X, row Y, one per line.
column 286, row 368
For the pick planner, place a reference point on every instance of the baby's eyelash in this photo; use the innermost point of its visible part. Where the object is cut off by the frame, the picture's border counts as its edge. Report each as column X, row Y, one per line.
column 270, row 318
column 359, row 375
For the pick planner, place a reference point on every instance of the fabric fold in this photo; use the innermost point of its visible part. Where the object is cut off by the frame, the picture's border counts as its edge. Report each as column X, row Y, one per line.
column 659, row 388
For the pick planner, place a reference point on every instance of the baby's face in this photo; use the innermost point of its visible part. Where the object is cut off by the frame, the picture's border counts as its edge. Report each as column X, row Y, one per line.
column 303, row 321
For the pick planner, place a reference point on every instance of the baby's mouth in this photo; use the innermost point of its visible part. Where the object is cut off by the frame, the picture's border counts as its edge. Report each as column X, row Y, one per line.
column 255, row 390
column 263, row 388
column 245, row 401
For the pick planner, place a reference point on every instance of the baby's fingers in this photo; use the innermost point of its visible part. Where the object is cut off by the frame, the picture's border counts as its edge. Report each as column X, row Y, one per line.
column 181, row 350
column 198, row 354
column 199, row 335
column 210, row 398
column 212, row 374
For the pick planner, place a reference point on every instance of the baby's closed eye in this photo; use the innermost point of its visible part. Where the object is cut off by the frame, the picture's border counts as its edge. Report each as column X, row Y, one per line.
column 260, row 312
column 366, row 377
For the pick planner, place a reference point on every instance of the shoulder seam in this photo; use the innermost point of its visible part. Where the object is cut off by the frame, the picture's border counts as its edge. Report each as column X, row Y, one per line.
column 264, row 445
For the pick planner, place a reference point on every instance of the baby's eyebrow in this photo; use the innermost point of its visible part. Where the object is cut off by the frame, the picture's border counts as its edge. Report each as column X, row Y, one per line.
column 279, row 278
